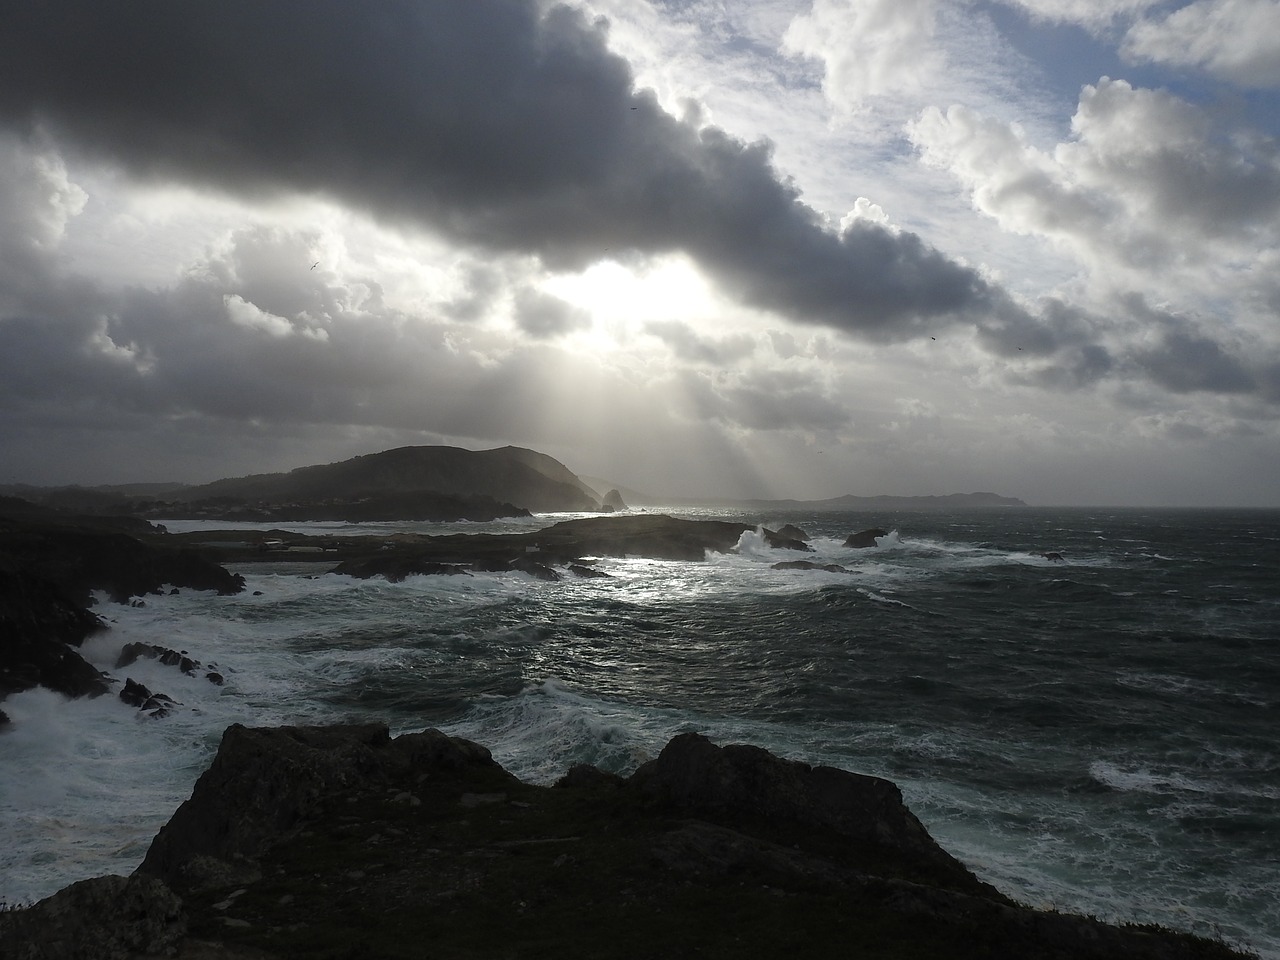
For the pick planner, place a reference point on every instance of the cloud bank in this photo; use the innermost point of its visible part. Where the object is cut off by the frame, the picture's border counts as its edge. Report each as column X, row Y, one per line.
column 302, row 230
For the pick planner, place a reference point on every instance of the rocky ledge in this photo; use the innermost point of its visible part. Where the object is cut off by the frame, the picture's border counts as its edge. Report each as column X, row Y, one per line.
column 50, row 565
column 343, row 842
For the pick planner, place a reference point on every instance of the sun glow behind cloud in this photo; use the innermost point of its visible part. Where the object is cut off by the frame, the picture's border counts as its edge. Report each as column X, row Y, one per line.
column 622, row 300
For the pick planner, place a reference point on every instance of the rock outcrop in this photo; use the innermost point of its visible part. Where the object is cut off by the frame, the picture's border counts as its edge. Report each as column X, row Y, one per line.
column 865, row 538
column 50, row 564
column 792, row 532
column 38, row 628
column 83, row 554
column 810, row 565
column 265, row 784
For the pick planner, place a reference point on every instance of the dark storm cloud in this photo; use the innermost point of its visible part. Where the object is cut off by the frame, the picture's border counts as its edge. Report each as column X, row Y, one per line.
column 1184, row 362
column 482, row 120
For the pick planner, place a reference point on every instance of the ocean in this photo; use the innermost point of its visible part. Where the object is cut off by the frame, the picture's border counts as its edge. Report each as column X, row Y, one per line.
column 1096, row 735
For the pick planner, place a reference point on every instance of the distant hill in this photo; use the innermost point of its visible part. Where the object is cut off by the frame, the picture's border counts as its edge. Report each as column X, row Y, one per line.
column 524, row 478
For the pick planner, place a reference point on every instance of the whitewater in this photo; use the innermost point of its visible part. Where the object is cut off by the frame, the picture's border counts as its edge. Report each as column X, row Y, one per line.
column 1096, row 734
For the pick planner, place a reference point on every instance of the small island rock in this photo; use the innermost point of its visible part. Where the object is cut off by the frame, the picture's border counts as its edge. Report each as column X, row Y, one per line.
column 865, row 538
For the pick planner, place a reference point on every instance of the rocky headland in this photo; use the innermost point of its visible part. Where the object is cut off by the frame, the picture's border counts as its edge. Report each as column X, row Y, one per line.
column 341, row 842
column 52, row 564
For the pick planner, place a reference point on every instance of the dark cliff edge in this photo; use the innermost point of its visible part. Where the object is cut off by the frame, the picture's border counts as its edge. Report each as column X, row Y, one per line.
column 343, row 842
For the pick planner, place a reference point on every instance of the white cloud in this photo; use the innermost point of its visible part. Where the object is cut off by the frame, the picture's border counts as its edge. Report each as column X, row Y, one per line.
column 1148, row 194
column 1233, row 40
column 868, row 47
column 1086, row 13
column 37, row 197
column 863, row 209
column 252, row 316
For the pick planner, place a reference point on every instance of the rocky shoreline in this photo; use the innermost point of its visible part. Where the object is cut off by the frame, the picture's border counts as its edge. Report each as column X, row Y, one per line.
column 342, row 842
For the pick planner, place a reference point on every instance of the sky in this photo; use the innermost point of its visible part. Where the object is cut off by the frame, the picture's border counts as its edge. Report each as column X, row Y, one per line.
column 768, row 248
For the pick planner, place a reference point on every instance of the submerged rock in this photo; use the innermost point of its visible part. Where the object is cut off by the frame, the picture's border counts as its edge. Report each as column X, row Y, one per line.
column 586, row 572
column 810, row 565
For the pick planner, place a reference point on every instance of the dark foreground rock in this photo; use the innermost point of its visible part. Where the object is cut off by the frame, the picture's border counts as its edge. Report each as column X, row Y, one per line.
column 342, row 842
column 106, row 918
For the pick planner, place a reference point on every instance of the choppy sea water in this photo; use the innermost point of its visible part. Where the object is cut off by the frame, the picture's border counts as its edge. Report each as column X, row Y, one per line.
column 1097, row 735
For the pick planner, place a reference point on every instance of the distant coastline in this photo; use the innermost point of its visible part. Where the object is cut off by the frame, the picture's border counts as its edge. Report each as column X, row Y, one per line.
column 849, row 502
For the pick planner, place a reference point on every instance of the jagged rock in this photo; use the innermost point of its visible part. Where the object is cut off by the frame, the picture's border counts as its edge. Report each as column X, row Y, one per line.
column 865, row 538
column 396, row 567
column 133, row 693
column 131, row 652
column 157, row 705
column 746, row 781
column 582, row 570
column 106, row 918
column 265, row 783
column 810, row 565
column 792, row 532
column 37, row 624
column 613, row 502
